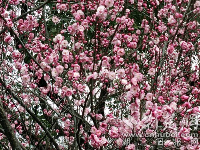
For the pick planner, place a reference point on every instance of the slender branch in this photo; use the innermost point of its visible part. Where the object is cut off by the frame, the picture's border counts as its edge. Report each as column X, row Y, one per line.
column 31, row 113
column 8, row 131
column 25, row 49
column 37, row 8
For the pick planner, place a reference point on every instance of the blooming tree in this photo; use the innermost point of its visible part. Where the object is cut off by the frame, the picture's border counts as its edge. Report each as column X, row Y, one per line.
column 104, row 74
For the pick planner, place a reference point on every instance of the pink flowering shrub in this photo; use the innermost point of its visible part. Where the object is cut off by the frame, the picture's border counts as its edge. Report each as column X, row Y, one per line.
column 106, row 74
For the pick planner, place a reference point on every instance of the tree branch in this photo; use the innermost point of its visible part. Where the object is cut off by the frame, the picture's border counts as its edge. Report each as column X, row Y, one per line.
column 31, row 113
column 8, row 131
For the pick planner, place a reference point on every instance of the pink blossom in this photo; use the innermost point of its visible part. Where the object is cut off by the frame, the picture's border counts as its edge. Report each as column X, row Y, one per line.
column 76, row 75
column 121, row 73
column 112, row 75
column 152, row 71
column 55, row 19
column 103, row 141
column 134, row 81
column 101, row 12
column 49, row 59
column 68, row 92
column 184, row 97
column 119, row 142
column 170, row 49
column 173, row 105
column 31, row 36
column 130, row 147
column 197, row 4
column 8, row 39
column 76, row 67
column 58, row 38
column 21, row 109
column 65, row 52
column 54, row 72
column 124, row 82
column 161, row 99
column 25, row 78
column 93, row 130
column 16, row 54
column 184, row 45
column 113, row 132
column 149, row 104
column 98, row 133
column 138, row 76
column 171, row 20
column 64, row 43
column 149, row 96
column 109, row 3
column 59, row 69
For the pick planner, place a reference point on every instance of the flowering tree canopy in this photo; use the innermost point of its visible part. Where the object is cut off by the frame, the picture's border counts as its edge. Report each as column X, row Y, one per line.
column 99, row 74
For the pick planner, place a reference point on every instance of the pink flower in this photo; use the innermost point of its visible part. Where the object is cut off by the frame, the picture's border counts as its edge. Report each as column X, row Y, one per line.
column 80, row 12
column 9, row 23
column 134, row 81
column 80, row 87
column 170, row 49
column 149, row 104
column 109, row 3
column 98, row 133
column 49, row 59
column 120, row 52
column 103, row 141
column 113, row 132
column 64, row 43
column 76, row 67
column 121, row 73
column 68, row 92
column 101, row 12
column 99, row 116
column 149, row 96
column 119, row 142
column 25, row 78
column 130, row 147
column 8, row 39
column 152, row 71
column 54, row 72
column 197, row 4
column 65, row 52
column 161, row 100
column 196, row 110
column 184, row 45
column 184, row 97
column 58, row 38
column 173, row 105
column 93, row 130
column 112, row 75
column 124, row 82
column 171, row 20
column 55, row 19
column 59, row 69
column 138, row 76
column 31, row 36
column 76, row 75
column 16, row 54
column 21, row 109
column 70, row 73
column 129, row 95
